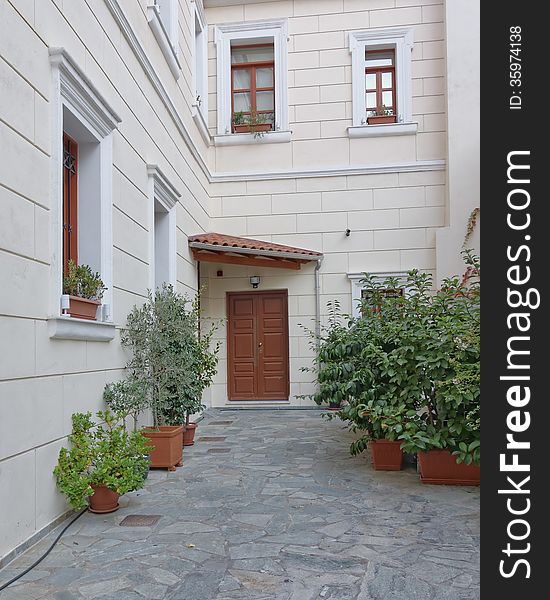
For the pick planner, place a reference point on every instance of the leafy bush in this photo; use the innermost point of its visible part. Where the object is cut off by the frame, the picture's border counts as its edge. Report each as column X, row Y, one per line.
column 81, row 281
column 171, row 365
column 408, row 369
column 101, row 453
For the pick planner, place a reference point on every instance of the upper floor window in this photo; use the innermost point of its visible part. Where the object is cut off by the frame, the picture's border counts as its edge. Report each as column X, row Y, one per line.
column 380, row 99
column 382, row 81
column 252, row 87
column 168, row 13
column 252, row 79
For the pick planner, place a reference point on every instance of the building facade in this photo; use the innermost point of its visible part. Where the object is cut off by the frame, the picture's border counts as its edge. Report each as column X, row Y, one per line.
column 269, row 151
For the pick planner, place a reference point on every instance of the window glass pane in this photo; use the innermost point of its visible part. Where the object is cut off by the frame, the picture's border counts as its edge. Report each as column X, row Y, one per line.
column 241, row 102
column 387, row 99
column 370, row 81
column 371, row 100
column 264, row 78
column 251, row 54
column 241, row 79
column 264, row 101
column 387, row 79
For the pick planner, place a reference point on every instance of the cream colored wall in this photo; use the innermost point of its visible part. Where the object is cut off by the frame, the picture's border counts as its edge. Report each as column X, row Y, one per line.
column 393, row 218
column 463, row 85
column 43, row 381
column 319, row 80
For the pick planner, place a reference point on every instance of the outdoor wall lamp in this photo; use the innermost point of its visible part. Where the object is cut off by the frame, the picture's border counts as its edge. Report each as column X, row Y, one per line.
column 255, row 281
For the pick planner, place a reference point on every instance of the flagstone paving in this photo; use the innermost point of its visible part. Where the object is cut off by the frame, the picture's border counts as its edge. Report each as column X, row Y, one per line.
column 285, row 514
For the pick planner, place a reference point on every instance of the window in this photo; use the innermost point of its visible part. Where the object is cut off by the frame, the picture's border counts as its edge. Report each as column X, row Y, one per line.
column 163, row 20
column 252, row 86
column 163, row 197
column 381, row 82
column 70, row 202
column 251, row 60
column 200, row 74
column 81, row 201
column 366, row 296
column 359, row 293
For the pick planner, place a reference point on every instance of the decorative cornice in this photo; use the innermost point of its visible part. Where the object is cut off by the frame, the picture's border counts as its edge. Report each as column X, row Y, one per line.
column 164, row 191
column 77, row 89
column 153, row 17
column 380, row 35
column 139, row 51
column 266, row 25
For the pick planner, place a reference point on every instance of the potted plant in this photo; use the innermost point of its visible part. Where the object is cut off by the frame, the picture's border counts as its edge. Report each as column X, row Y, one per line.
column 198, row 358
column 381, row 115
column 85, row 290
column 103, row 463
column 164, row 371
column 257, row 123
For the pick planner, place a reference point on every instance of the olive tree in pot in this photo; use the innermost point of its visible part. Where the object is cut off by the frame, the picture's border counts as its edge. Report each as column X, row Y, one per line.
column 161, row 372
column 197, row 355
column 104, row 462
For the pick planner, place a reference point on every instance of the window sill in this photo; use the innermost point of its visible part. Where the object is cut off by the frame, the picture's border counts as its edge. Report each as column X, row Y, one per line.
column 201, row 124
column 241, row 139
column 162, row 39
column 69, row 328
column 382, row 130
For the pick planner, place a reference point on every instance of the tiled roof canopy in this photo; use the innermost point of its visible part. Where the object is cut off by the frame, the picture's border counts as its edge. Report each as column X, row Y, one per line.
column 220, row 248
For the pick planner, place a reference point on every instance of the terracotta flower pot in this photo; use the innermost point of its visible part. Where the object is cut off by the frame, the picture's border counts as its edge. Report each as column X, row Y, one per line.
column 82, row 308
column 244, row 128
column 189, row 434
column 440, row 467
column 166, row 446
column 381, row 119
column 386, row 455
column 103, row 500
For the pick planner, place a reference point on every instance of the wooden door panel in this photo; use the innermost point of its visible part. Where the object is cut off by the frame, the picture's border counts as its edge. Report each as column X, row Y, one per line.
column 258, row 346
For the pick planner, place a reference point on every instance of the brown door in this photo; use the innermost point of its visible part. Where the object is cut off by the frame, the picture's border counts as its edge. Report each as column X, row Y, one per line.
column 257, row 343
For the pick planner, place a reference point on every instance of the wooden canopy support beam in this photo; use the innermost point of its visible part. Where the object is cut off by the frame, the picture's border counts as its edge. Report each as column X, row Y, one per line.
column 248, row 260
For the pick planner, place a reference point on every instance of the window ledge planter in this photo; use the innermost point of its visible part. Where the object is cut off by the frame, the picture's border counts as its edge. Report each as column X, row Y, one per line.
column 241, row 139
column 83, row 308
column 381, row 119
column 71, row 328
column 166, row 443
column 383, row 130
column 440, row 467
column 259, row 128
column 386, row 455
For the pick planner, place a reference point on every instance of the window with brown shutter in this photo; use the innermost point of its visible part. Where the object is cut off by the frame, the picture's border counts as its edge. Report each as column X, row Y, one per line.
column 70, row 201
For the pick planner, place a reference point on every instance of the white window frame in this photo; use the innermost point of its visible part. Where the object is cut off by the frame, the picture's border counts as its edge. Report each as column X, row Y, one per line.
column 357, row 286
column 399, row 39
column 166, row 34
column 74, row 92
column 249, row 31
column 162, row 191
column 200, row 69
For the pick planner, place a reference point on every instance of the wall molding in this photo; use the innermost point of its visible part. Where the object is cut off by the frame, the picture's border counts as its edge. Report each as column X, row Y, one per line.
column 416, row 166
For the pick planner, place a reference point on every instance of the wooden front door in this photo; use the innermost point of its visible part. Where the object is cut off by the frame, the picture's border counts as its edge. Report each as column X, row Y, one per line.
column 257, row 346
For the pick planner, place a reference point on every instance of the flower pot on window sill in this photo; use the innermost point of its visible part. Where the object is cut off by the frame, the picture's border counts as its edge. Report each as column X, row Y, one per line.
column 82, row 308
column 259, row 128
column 440, row 467
column 381, row 119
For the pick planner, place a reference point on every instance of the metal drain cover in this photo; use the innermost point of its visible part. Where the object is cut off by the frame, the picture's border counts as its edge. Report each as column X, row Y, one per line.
column 218, row 450
column 221, row 423
column 211, row 439
column 140, row 520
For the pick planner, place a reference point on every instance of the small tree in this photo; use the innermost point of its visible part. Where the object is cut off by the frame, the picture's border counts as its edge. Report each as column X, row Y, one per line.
column 170, row 364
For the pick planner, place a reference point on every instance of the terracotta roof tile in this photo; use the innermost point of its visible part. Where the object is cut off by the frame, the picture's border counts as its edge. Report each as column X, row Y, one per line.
column 230, row 241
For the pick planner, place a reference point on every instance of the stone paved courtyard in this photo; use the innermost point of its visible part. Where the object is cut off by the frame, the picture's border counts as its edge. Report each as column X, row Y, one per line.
column 275, row 509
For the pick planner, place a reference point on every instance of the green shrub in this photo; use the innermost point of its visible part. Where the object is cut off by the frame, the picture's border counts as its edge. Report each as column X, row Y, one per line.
column 102, row 453
column 81, row 281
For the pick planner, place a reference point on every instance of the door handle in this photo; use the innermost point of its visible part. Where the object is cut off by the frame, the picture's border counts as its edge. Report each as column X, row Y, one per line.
column 260, row 344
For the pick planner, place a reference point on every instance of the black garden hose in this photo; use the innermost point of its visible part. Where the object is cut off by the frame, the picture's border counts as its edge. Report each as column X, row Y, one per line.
column 37, row 562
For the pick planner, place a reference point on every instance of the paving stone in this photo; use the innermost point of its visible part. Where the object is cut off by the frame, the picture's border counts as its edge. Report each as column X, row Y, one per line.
column 286, row 514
